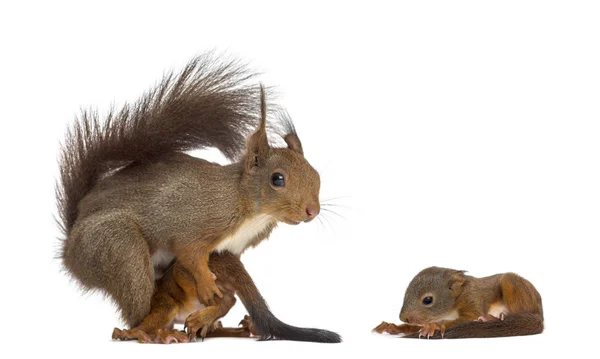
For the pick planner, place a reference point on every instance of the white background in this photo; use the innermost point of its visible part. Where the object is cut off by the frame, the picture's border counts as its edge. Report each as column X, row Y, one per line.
column 459, row 134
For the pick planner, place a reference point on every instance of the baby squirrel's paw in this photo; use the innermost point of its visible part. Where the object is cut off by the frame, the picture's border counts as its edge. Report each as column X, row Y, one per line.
column 392, row 328
column 428, row 330
column 382, row 328
column 489, row 317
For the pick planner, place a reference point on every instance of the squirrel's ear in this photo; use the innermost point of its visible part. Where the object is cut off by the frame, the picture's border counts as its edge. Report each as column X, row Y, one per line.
column 257, row 147
column 456, row 282
column 294, row 143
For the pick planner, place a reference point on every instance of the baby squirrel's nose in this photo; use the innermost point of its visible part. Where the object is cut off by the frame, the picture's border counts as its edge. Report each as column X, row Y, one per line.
column 312, row 210
column 404, row 318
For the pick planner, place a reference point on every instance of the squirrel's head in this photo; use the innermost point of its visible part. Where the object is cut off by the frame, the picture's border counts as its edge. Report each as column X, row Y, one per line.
column 286, row 186
column 431, row 296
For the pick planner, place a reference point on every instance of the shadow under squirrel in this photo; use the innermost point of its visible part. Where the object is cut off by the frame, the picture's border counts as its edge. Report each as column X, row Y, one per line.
column 446, row 303
column 131, row 201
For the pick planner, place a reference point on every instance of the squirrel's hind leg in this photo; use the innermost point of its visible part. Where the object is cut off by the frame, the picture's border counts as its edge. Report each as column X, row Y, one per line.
column 519, row 295
column 94, row 254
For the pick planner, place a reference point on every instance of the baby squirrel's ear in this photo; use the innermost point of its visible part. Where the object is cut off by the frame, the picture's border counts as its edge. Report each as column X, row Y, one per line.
column 457, row 279
column 294, row 143
column 257, row 147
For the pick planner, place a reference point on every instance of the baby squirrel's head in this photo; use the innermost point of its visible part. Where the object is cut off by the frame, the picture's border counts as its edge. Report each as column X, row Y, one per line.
column 286, row 185
column 431, row 295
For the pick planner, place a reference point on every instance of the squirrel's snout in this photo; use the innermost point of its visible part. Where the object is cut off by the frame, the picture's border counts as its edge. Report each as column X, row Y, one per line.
column 312, row 210
column 407, row 318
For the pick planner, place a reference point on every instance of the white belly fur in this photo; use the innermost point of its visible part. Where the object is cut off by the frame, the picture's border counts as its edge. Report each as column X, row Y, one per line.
column 237, row 242
column 161, row 258
column 450, row 316
column 160, row 261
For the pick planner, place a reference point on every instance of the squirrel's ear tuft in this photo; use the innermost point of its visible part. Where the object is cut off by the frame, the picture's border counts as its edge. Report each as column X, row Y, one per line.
column 257, row 147
column 288, row 131
column 456, row 282
column 294, row 143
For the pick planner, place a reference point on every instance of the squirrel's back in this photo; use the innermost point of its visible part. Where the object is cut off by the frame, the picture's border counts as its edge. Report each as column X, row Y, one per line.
column 153, row 193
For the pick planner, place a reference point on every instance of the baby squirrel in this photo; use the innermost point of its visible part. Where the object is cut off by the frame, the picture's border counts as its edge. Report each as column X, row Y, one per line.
column 446, row 303
column 131, row 201
column 175, row 302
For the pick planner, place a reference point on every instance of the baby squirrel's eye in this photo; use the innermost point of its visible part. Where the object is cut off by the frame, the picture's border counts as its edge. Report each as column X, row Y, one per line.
column 277, row 179
column 427, row 300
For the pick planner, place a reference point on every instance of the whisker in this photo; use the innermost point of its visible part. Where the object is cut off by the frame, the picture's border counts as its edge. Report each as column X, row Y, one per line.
column 320, row 224
column 326, row 219
column 335, row 205
column 330, row 211
column 333, row 198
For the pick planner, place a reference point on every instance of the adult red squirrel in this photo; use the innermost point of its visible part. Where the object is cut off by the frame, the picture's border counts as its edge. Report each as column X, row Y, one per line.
column 131, row 200
column 446, row 303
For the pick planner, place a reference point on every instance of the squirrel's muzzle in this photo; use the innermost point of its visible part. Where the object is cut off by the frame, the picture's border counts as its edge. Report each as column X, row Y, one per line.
column 312, row 210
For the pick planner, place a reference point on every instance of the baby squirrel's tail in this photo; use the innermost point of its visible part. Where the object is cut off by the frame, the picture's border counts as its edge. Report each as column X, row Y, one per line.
column 208, row 104
column 514, row 324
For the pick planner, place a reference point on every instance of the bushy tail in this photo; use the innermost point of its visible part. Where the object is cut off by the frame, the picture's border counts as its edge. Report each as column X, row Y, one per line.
column 514, row 324
column 208, row 104
column 265, row 323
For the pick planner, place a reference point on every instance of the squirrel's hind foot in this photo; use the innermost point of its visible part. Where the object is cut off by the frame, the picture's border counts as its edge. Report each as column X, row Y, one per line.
column 161, row 336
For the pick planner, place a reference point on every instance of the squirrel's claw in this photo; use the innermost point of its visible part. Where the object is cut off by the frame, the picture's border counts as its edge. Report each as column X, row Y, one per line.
column 485, row 318
column 201, row 321
column 248, row 325
column 428, row 330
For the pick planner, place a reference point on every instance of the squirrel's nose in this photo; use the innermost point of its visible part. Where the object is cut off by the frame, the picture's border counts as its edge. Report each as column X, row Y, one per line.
column 404, row 318
column 312, row 210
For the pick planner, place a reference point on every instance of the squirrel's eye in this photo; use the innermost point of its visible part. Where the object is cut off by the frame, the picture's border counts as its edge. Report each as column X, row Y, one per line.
column 277, row 179
column 427, row 300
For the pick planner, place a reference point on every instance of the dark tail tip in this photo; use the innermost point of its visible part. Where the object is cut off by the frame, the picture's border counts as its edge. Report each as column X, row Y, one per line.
column 304, row 335
column 272, row 328
column 323, row 336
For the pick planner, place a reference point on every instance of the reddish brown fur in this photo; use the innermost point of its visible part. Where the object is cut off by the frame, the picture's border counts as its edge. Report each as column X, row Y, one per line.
column 175, row 294
column 471, row 298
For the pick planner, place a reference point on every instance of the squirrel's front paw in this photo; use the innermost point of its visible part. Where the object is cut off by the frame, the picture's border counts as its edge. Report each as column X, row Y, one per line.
column 428, row 330
column 391, row 328
column 206, row 289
